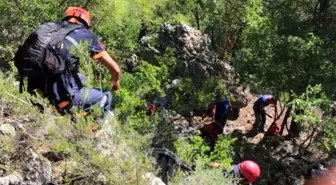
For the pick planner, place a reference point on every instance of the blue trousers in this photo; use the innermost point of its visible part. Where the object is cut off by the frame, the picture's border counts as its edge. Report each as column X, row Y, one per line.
column 86, row 98
column 260, row 117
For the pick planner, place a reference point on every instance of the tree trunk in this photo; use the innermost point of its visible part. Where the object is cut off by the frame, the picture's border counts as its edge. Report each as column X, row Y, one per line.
column 320, row 15
column 284, row 122
column 213, row 37
column 197, row 18
column 225, row 46
column 324, row 6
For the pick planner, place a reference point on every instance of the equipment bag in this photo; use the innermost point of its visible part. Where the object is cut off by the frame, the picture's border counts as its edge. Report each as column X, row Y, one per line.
column 38, row 57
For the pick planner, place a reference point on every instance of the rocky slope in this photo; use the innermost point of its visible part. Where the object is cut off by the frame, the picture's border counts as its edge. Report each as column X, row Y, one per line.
column 194, row 58
column 36, row 163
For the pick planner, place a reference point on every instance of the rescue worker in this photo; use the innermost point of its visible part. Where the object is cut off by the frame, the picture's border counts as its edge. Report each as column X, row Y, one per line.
column 248, row 171
column 260, row 111
column 84, row 97
column 53, row 70
column 220, row 107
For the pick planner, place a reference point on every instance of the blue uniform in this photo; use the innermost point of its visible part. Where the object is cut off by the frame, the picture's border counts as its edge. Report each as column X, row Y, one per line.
column 222, row 108
column 67, row 86
column 261, row 102
column 264, row 100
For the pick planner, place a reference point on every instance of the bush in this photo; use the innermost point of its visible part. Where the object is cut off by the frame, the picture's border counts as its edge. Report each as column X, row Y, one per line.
column 196, row 151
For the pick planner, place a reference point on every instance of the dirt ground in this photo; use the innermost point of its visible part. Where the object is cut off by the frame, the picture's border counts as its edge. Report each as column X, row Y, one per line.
column 246, row 120
column 277, row 156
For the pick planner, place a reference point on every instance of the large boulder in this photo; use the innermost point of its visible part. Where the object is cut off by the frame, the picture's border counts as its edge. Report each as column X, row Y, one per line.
column 36, row 169
column 194, row 58
column 153, row 180
column 241, row 96
column 7, row 129
column 13, row 179
column 166, row 163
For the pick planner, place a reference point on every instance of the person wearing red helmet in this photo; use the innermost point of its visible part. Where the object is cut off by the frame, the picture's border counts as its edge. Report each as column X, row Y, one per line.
column 248, row 171
column 77, row 15
column 47, row 59
column 84, row 97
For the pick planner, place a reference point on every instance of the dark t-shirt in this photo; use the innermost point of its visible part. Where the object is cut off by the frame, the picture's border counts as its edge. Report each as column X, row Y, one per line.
column 222, row 107
column 66, row 84
column 264, row 100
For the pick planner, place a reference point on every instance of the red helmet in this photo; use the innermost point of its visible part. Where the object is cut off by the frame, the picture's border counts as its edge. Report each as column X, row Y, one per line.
column 250, row 170
column 79, row 13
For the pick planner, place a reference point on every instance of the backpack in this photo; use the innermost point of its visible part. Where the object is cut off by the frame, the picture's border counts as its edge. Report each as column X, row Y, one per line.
column 274, row 129
column 38, row 58
column 211, row 131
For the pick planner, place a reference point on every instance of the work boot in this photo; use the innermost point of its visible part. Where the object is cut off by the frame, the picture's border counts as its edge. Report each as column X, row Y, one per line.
column 261, row 130
column 93, row 130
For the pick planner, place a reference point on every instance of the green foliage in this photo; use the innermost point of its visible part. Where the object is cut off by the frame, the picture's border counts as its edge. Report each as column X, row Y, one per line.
column 74, row 140
column 7, row 150
column 207, row 176
column 196, row 148
column 307, row 105
column 307, row 114
column 187, row 96
column 284, row 52
column 277, row 46
column 328, row 141
column 196, row 151
column 190, row 152
column 223, row 151
column 138, row 88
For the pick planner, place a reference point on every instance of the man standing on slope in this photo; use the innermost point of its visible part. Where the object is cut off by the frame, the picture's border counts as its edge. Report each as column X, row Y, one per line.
column 220, row 107
column 260, row 111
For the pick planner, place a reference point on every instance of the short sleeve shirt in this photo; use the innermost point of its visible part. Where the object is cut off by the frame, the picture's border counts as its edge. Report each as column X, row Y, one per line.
column 263, row 100
column 67, row 84
column 95, row 47
column 222, row 107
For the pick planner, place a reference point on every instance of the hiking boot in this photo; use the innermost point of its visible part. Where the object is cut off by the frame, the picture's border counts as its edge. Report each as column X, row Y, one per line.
column 261, row 131
column 97, row 133
column 94, row 131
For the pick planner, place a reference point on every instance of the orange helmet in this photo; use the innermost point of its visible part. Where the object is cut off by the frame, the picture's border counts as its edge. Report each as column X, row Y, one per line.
column 250, row 170
column 79, row 13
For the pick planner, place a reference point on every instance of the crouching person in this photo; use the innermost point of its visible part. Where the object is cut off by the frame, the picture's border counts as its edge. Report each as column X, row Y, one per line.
column 247, row 171
column 47, row 61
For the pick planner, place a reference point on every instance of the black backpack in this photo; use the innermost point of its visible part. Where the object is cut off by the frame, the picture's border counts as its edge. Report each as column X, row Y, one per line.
column 38, row 58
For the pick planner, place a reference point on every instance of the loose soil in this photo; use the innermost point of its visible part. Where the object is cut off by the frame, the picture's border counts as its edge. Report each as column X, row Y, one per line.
column 279, row 158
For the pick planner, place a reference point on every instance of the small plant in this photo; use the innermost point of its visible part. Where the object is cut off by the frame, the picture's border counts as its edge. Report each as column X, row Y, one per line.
column 196, row 151
column 306, row 108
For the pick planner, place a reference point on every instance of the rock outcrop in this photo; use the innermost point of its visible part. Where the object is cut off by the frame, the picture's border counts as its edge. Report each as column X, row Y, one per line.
column 13, row 179
column 192, row 49
column 194, row 58
column 167, row 162
column 35, row 170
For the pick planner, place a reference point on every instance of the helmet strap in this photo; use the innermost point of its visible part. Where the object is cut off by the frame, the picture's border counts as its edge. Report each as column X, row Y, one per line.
column 76, row 21
column 73, row 20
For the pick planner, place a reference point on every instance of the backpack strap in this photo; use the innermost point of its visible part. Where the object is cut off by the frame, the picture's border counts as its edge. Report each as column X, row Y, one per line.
column 74, row 72
column 73, row 41
column 21, row 83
